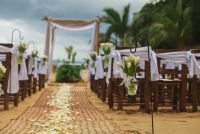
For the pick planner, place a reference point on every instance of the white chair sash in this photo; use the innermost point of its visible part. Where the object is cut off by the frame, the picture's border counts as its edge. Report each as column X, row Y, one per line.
column 99, row 68
column 42, row 69
column 35, row 70
column 23, row 70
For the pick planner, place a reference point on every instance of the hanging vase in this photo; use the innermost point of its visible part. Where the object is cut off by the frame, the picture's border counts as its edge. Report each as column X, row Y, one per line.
column 131, row 85
column 20, row 58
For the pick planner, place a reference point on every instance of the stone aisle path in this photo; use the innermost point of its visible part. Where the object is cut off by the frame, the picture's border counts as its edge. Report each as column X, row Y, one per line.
column 62, row 110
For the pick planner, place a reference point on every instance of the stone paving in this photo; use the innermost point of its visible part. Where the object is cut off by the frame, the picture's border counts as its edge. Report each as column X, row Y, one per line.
column 82, row 117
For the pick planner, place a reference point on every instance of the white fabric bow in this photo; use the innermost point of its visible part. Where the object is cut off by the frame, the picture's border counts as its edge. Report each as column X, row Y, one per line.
column 42, row 69
column 99, row 68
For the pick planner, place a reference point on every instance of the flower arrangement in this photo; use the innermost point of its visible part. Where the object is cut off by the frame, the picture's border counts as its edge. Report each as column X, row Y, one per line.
column 2, row 71
column 22, row 49
column 34, row 54
column 44, row 59
column 106, row 47
column 2, row 74
column 93, row 56
column 129, row 68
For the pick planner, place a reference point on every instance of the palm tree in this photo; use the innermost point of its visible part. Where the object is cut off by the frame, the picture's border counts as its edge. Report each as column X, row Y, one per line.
column 102, row 38
column 173, row 26
column 141, row 22
column 117, row 24
column 69, row 51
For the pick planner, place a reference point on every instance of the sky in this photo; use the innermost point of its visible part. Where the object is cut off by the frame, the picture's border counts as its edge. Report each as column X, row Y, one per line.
column 26, row 15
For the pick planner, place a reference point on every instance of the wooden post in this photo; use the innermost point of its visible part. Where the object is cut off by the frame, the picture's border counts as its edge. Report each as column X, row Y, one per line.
column 40, row 81
column 110, row 93
column 120, row 94
column 34, row 85
column 155, row 95
column 147, row 88
column 104, row 87
column 23, row 86
column 183, row 88
column 43, row 82
column 30, row 85
column 16, row 99
column 194, row 93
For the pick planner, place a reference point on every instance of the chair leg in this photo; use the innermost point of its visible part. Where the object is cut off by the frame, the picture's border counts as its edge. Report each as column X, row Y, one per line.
column 110, row 94
column 6, row 101
column 16, row 99
column 120, row 98
column 194, row 94
column 40, row 81
column 34, row 85
column 175, row 97
column 155, row 97
column 29, row 85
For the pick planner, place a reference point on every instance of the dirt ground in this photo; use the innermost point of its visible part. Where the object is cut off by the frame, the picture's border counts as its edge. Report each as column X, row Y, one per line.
column 130, row 120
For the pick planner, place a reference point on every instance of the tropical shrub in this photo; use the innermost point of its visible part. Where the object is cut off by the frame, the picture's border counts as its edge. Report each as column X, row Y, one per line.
column 68, row 73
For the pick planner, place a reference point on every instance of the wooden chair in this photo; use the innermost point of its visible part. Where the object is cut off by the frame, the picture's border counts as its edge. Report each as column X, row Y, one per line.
column 30, row 78
column 12, row 97
column 190, row 92
column 171, row 92
column 118, row 94
column 4, row 82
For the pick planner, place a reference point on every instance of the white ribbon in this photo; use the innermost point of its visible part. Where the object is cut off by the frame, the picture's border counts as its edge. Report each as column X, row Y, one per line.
column 23, row 70
column 99, row 68
column 30, row 64
column 35, row 70
column 42, row 69
column 117, row 71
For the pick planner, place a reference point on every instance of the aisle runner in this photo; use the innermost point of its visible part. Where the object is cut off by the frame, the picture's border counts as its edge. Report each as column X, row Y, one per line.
column 67, row 111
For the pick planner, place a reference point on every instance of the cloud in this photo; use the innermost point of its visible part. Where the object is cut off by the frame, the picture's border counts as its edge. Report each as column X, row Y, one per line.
column 26, row 15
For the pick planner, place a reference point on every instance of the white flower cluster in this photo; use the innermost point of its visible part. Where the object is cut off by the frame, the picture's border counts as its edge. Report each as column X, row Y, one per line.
column 130, row 65
column 22, row 47
column 34, row 53
column 2, row 71
column 106, row 47
column 131, row 59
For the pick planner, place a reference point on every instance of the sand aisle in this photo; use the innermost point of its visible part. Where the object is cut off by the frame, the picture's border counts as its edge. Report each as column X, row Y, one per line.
column 64, row 109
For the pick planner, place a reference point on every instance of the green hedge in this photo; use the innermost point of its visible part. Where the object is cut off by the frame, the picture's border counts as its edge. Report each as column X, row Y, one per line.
column 68, row 73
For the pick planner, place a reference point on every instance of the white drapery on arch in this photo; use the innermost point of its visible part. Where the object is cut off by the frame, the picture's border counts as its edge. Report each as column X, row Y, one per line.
column 70, row 25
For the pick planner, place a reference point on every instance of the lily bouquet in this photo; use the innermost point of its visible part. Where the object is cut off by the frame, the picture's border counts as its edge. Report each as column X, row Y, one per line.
column 44, row 60
column 34, row 54
column 2, row 74
column 22, row 49
column 106, row 48
column 129, row 68
column 93, row 56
